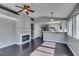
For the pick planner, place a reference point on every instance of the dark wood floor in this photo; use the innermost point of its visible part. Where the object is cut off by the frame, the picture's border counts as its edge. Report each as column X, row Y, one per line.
column 27, row 49
column 62, row 50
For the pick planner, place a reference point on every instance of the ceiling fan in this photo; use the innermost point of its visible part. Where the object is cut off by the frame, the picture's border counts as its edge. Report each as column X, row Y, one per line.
column 25, row 8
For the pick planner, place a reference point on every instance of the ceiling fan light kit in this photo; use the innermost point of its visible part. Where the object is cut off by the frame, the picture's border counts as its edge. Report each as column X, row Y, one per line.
column 51, row 17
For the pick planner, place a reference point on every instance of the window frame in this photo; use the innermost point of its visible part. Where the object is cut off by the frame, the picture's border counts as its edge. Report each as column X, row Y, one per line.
column 70, row 30
column 76, row 26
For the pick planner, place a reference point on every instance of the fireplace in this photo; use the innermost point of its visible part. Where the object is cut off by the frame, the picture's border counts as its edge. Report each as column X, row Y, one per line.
column 25, row 38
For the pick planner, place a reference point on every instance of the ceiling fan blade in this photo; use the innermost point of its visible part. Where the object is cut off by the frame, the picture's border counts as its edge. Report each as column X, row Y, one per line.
column 27, row 13
column 18, row 6
column 31, row 10
column 20, row 10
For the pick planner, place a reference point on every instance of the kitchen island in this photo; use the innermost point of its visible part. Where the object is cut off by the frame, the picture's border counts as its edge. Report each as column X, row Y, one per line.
column 54, row 36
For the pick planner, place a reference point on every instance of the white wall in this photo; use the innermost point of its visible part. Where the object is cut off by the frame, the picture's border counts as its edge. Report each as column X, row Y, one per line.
column 7, row 32
column 13, row 28
column 37, row 30
column 7, row 28
column 23, row 27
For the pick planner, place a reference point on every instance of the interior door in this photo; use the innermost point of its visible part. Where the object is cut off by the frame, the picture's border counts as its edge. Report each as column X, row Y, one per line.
column 32, row 30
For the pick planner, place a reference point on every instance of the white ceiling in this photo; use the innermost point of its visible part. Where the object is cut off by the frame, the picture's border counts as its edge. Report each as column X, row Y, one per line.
column 61, row 10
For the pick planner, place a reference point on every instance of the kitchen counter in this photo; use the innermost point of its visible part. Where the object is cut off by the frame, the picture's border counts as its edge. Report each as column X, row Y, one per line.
column 54, row 36
column 55, row 31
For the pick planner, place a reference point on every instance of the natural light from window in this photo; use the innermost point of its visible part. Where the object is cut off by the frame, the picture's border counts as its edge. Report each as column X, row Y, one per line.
column 77, row 26
column 70, row 27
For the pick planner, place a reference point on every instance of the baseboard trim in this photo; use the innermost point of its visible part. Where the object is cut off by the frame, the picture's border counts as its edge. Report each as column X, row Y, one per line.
column 7, row 45
column 23, row 42
column 71, row 49
column 36, row 38
column 58, row 42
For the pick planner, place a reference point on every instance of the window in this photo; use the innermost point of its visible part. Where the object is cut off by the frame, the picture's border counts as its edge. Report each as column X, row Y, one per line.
column 69, row 28
column 77, row 26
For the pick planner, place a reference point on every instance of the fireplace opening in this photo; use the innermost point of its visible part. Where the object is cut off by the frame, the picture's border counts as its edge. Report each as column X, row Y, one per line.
column 25, row 38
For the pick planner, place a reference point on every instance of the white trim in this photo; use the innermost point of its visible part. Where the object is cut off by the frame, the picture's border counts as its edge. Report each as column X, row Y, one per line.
column 8, row 17
column 71, row 49
column 36, row 38
column 7, row 45
column 57, row 41
column 23, row 42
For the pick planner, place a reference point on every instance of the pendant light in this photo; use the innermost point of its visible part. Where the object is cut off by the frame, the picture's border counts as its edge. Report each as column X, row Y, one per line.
column 51, row 17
